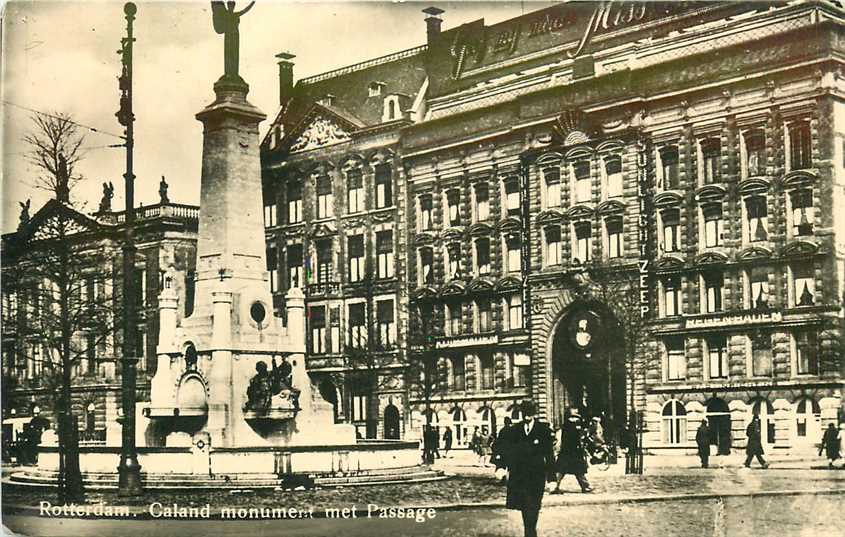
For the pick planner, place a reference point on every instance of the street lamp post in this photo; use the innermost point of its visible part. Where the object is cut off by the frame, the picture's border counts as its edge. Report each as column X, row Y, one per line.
column 129, row 470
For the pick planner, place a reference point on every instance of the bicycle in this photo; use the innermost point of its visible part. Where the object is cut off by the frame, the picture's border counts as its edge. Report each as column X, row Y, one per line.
column 599, row 456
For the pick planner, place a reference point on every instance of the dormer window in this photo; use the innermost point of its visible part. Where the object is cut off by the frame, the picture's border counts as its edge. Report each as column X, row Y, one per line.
column 327, row 100
column 375, row 88
column 392, row 109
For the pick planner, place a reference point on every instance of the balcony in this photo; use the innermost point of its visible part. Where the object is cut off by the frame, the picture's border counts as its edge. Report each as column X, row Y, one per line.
column 468, row 340
column 322, row 289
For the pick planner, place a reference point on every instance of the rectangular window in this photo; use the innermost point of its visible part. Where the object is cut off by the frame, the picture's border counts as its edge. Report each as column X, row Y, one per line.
column 758, row 288
column 294, row 191
column 614, row 237
column 324, row 261
column 482, row 202
column 484, row 315
column 761, row 355
column 354, row 191
column 714, row 225
column 711, row 162
column 458, row 373
column 807, row 348
column 513, row 245
column 91, row 353
column 273, row 268
column 318, row 329
column 384, row 186
column 514, row 307
column 669, row 167
column 583, row 242
column 552, row 178
column 485, row 360
column 803, row 214
column 384, row 318
column 755, row 153
column 800, row 146
column 671, row 297
column 356, row 258
column 717, row 357
column 425, row 212
column 757, row 218
column 676, row 360
column 553, row 246
column 334, row 330
column 671, row 222
column 357, row 325
column 453, row 260
column 455, row 318
column 804, row 287
column 139, row 275
column 453, row 207
column 426, row 266
column 512, row 196
column 613, row 171
column 359, row 407
column 325, row 197
column 384, row 251
column 294, row 259
column 269, row 214
column 482, row 255
column 713, row 289
column 581, row 169
column 520, row 372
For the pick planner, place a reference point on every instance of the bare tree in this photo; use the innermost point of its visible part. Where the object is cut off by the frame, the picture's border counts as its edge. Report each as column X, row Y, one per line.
column 55, row 143
column 63, row 278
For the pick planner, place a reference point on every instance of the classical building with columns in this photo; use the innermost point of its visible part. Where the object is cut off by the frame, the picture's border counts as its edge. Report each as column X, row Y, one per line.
column 629, row 209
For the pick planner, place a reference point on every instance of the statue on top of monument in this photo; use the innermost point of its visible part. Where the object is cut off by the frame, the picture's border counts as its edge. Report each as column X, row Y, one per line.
column 162, row 192
column 24, row 217
column 226, row 21
column 108, row 194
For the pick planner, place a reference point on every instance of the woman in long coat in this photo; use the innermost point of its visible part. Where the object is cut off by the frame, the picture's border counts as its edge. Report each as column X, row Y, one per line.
column 572, row 458
column 830, row 444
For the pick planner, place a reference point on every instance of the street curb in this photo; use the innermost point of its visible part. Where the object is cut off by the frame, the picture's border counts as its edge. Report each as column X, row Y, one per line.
column 142, row 512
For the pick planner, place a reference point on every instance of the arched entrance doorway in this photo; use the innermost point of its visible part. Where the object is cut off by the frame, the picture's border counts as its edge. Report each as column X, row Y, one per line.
column 719, row 418
column 391, row 422
column 588, row 362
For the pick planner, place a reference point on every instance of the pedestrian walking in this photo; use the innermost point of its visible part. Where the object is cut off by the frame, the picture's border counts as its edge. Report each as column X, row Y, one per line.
column 572, row 458
column 529, row 459
column 702, row 438
column 475, row 444
column 500, row 449
column 487, row 448
column 754, row 448
column 435, row 444
column 447, row 441
column 830, row 444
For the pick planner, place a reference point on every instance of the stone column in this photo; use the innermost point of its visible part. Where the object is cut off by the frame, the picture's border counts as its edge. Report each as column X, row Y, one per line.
column 220, row 415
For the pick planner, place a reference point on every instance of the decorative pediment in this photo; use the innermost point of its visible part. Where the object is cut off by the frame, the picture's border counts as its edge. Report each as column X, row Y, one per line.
column 424, row 239
column 54, row 220
column 800, row 248
column 754, row 185
column 571, row 127
column 550, row 216
column 480, row 229
column 453, row 288
column 610, row 207
column 424, row 293
column 669, row 262
column 510, row 225
column 549, row 159
column 711, row 258
column 451, row 234
column 799, row 178
column 480, row 285
column 383, row 216
column 754, row 252
column 669, row 198
column 322, row 131
column 710, row 193
column 323, row 229
column 580, row 212
column 508, row 283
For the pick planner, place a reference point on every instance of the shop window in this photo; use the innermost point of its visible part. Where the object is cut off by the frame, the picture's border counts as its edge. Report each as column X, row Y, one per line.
column 674, row 423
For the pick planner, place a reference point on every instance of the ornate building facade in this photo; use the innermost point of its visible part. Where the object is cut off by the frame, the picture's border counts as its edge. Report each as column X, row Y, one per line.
column 633, row 209
column 165, row 234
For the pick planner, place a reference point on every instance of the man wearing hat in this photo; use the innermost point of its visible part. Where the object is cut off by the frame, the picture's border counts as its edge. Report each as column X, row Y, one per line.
column 529, row 459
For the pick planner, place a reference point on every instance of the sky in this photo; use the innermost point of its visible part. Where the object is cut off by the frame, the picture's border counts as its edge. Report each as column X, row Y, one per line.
column 61, row 57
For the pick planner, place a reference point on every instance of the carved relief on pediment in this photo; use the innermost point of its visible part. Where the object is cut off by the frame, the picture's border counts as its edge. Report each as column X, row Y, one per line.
column 320, row 133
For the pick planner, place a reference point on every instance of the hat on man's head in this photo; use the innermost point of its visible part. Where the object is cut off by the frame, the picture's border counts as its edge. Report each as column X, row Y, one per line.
column 528, row 408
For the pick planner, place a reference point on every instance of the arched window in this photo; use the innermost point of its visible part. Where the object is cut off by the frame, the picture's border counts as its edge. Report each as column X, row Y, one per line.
column 488, row 420
column 807, row 414
column 459, row 426
column 764, row 409
column 674, row 423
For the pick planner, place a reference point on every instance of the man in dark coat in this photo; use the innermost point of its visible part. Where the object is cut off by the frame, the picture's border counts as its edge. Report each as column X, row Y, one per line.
column 830, row 444
column 528, row 455
column 702, row 438
column 572, row 458
column 447, row 441
column 754, row 448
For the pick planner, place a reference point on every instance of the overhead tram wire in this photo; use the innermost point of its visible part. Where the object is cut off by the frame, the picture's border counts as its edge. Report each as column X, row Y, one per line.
column 88, row 127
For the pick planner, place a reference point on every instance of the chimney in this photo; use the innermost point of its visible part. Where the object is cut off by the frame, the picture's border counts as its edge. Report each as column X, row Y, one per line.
column 285, row 76
column 432, row 22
